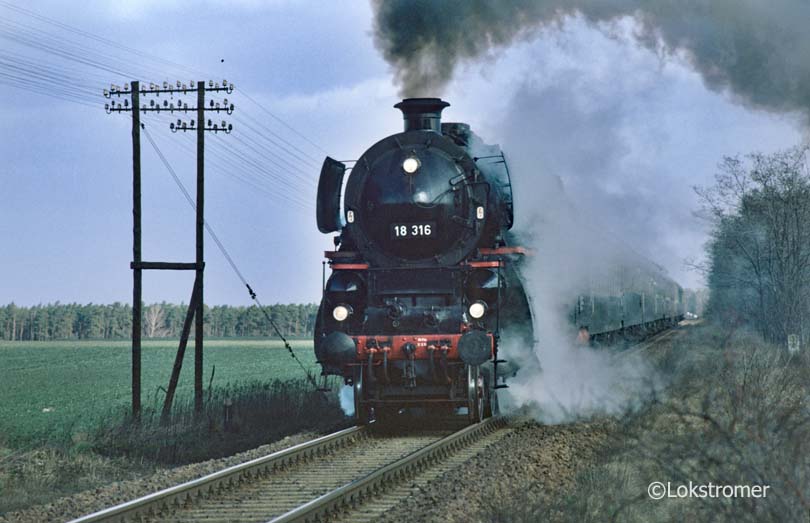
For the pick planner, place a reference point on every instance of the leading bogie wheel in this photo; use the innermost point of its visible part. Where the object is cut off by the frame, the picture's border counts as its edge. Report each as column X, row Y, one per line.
column 475, row 394
column 362, row 411
column 490, row 400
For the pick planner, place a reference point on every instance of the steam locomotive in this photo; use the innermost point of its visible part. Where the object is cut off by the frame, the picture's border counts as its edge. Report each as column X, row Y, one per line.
column 426, row 280
column 423, row 279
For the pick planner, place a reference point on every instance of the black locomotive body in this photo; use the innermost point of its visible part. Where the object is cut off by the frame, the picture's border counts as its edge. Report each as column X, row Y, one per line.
column 423, row 280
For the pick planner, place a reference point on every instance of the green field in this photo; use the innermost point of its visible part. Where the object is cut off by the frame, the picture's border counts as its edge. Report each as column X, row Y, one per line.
column 63, row 387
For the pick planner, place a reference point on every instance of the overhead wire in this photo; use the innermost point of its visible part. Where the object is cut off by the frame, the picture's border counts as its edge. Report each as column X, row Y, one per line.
column 45, row 68
column 257, row 166
column 292, row 181
column 227, row 255
column 281, row 148
column 100, row 39
column 35, row 86
column 35, row 38
column 248, row 155
column 255, row 181
column 302, row 155
column 99, row 61
column 229, row 155
column 58, row 47
column 223, row 159
column 285, row 124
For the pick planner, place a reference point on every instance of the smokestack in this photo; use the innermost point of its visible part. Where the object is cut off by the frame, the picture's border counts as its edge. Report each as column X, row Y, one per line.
column 422, row 114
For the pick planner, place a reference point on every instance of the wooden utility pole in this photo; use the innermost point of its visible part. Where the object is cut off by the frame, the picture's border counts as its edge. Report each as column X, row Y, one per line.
column 195, row 310
column 137, row 275
column 198, row 318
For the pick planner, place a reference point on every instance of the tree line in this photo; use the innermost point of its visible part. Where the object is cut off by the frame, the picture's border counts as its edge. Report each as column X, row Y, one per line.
column 758, row 269
column 60, row 321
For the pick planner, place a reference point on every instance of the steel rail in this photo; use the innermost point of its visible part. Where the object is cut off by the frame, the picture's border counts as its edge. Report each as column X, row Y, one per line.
column 648, row 343
column 354, row 493
column 177, row 495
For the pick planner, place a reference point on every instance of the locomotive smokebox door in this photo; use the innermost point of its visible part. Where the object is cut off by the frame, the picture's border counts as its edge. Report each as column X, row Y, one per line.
column 328, row 204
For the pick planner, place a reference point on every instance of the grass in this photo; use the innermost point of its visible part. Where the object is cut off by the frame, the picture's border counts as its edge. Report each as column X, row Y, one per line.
column 65, row 423
column 735, row 413
column 40, row 475
column 60, row 389
column 236, row 418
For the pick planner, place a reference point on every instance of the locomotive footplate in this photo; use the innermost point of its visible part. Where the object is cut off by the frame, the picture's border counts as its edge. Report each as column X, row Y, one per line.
column 405, row 376
column 427, row 346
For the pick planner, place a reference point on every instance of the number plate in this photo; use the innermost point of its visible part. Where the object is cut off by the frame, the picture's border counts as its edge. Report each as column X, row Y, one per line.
column 401, row 231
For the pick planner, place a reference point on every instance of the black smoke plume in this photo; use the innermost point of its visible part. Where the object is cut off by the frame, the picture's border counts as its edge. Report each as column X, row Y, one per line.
column 755, row 50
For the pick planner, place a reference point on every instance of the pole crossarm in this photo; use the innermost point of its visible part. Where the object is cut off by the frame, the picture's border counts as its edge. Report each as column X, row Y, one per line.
column 166, row 88
column 224, row 126
column 166, row 266
column 168, row 107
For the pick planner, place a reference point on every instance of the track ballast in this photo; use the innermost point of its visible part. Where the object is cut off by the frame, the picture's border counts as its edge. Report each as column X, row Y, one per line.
column 353, row 474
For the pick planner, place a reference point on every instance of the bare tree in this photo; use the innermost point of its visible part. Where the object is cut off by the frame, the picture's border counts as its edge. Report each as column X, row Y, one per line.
column 760, row 248
column 155, row 320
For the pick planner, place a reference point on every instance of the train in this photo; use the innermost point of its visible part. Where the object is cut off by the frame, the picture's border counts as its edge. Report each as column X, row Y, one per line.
column 627, row 303
column 426, row 276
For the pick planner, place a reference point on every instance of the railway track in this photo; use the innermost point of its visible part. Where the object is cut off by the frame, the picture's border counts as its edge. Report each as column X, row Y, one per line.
column 649, row 343
column 351, row 475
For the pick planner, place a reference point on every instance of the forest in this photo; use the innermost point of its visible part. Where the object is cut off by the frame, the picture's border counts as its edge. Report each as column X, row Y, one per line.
column 73, row 321
column 758, row 270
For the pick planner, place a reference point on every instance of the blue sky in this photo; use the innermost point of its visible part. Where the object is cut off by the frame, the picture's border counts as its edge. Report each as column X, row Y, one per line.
column 627, row 133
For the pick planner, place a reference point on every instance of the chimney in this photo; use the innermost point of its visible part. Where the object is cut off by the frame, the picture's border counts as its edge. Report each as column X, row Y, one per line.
column 422, row 114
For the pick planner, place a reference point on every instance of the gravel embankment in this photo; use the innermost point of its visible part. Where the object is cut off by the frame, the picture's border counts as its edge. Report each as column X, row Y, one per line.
column 535, row 461
column 71, row 507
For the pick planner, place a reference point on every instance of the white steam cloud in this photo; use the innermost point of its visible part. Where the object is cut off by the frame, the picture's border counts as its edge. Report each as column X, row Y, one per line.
column 560, row 379
column 567, row 154
column 346, row 398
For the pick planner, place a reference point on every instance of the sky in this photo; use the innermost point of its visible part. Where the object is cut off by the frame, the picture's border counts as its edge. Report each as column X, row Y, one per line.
column 627, row 131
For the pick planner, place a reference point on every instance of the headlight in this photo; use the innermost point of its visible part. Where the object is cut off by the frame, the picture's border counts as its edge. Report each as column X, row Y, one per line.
column 411, row 164
column 341, row 312
column 478, row 309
